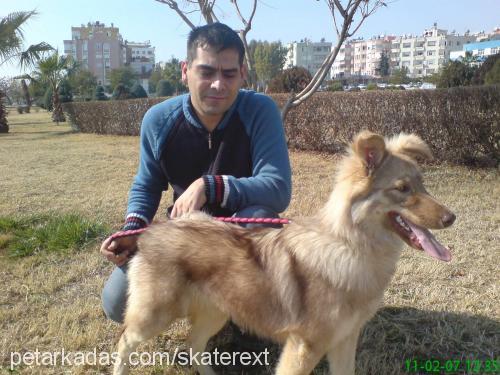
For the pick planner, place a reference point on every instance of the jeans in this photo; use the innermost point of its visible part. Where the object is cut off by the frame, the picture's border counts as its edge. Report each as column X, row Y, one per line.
column 114, row 294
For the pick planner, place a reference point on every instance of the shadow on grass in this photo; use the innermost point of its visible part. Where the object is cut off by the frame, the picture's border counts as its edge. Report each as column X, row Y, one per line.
column 394, row 335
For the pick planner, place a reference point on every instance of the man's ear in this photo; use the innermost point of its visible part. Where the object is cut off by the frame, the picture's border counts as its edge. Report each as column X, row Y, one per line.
column 184, row 69
column 370, row 147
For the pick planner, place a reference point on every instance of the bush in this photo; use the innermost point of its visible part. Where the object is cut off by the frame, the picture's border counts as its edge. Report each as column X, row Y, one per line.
column 20, row 109
column 372, row 86
column 121, row 92
column 99, row 93
column 164, row 88
column 290, row 80
column 65, row 92
column 461, row 125
column 138, row 91
column 335, row 86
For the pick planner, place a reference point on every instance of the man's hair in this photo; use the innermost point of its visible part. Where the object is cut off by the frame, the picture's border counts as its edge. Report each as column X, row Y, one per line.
column 217, row 36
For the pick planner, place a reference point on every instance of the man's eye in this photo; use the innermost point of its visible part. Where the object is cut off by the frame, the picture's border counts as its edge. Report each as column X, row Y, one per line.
column 229, row 75
column 206, row 74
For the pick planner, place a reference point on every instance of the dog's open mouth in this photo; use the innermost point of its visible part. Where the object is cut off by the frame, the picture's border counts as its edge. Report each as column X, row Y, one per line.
column 419, row 237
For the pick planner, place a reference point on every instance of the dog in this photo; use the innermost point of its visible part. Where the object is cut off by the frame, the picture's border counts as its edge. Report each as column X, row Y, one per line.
column 311, row 285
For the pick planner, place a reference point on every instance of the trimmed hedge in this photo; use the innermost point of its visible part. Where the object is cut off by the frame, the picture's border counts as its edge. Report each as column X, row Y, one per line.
column 461, row 125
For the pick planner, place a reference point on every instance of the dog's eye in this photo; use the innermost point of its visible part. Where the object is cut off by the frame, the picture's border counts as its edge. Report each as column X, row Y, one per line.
column 403, row 188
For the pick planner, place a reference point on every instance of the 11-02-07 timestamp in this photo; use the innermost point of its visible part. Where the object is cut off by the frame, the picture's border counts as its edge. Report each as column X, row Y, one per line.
column 450, row 366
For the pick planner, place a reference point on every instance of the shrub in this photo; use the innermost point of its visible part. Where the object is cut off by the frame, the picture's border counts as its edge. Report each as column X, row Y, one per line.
column 335, row 86
column 138, row 91
column 99, row 93
column 20, row 109
column 372, row 86
column 164, row 88
column 290, row 80
column 121, row 92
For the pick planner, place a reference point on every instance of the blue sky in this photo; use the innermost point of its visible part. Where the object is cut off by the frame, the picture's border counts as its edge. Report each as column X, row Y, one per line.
column 285, row 20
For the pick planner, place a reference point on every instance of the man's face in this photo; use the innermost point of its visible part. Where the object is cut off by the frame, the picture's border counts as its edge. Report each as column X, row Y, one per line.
column 213, row 80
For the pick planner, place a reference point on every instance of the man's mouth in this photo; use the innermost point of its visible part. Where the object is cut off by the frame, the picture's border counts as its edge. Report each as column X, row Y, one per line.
column 419, row 237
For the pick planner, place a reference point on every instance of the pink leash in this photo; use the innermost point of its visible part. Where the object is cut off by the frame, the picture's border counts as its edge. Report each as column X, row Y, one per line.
column 258, row 220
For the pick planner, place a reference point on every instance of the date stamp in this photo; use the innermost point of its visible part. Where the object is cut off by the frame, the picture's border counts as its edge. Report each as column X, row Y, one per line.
column 452, row 366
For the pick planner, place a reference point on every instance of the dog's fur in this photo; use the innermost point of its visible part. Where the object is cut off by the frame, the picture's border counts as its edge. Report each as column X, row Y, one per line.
column 311, row 285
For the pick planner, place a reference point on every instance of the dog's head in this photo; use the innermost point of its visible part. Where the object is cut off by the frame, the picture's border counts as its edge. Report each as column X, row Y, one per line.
column 388, row 189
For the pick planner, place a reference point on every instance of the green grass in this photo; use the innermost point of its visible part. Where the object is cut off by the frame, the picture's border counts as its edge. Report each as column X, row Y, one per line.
column 47, row 234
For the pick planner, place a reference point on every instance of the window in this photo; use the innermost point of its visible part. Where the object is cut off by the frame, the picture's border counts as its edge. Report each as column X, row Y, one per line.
column 480, row 52
column 406, row 63
column 431, row 43
column 431, row 53
column 406, row 54
column 495, row 50
column 395, row 45
column 406, row 45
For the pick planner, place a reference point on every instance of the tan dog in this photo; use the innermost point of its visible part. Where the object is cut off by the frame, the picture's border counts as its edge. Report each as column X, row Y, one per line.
column 311, row 285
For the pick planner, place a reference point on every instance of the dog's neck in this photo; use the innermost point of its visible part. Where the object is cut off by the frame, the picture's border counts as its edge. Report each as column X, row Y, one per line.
column 371, row 257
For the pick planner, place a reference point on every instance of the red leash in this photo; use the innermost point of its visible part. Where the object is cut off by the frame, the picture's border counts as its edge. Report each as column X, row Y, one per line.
column 258, row 220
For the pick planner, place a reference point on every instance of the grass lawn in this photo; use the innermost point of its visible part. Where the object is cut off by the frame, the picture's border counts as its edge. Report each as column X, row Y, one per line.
column 51, row 301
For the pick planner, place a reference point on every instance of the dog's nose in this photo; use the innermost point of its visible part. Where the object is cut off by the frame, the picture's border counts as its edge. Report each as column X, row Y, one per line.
column 448, row 219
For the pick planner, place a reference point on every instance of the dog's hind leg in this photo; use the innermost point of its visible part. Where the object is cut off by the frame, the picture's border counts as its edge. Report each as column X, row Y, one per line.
column 298, row 358
column 206, row 322
column 343, row 355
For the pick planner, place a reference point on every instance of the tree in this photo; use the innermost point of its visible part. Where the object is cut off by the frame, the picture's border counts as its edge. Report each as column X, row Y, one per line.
column 492, row 77
column 172, row 73
column 384, row 65
column 137, row 91
column 47, row 102
column 292, row 80
column 456, row 73
column 65, row 91
column 485, row 67
column 399, row 76
column 164, row 88
column 52, row 71
column 99, row 93
column 124, row 75
column 269, row 59
column 83, row 83
column 11, row 49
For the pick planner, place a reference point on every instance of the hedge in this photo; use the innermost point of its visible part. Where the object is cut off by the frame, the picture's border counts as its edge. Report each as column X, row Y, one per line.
column 461, row 125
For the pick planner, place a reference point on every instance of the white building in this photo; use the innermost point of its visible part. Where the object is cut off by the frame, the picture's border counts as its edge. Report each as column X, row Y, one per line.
column 361, row 57
column 426, row 54
column 308, row 55
column 481, row 50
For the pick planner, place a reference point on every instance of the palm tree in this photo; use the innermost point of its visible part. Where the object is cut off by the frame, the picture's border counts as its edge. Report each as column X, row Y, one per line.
column 11, row 49
column 52, row 71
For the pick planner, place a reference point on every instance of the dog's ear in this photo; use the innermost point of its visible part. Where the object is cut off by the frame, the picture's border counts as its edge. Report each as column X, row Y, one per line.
column 370, row 147
column 410, row 145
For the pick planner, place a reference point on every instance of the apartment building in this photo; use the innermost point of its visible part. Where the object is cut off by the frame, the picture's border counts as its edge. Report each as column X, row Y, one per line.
column 140, row 57
column 101, row 49
column 308, row 54
column 426, row 54
column 361, row 57
column 97, row 47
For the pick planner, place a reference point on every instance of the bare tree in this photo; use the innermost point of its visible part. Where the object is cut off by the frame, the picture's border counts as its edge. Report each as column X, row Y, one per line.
column 344, row 14
column 206, row 9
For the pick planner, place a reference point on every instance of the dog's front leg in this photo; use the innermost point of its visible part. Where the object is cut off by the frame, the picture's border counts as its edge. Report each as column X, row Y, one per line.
column 298, row 357
column 342, row 356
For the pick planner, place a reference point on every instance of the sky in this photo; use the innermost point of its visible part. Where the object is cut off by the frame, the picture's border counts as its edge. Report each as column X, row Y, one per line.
column 284, row 20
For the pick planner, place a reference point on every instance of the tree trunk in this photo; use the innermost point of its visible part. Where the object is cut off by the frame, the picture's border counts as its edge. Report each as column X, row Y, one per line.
column 57, row 112
column 26, row 94
column 4, row 127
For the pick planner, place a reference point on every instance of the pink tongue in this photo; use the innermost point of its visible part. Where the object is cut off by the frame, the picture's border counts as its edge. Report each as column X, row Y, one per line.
column 429, row 243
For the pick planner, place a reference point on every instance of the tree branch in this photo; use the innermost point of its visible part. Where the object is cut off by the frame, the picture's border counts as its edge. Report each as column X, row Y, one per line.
column 173, row 5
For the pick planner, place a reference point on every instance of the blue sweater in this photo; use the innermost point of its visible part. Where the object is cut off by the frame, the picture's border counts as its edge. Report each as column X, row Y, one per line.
column 174, row 143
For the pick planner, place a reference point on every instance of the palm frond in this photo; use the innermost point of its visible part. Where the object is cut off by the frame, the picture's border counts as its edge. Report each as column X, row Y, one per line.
column 34, row 53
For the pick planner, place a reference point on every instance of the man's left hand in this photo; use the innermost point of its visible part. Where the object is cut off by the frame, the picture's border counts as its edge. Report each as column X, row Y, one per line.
column 191, row 200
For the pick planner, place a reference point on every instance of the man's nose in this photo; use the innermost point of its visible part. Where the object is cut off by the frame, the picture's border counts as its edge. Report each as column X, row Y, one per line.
column 218, row 82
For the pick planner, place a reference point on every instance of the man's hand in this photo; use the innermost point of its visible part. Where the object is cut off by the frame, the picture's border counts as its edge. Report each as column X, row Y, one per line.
column 119, row 250
column 191, row 200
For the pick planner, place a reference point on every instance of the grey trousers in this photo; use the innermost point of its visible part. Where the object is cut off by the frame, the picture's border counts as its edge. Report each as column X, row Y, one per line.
column 114, row 294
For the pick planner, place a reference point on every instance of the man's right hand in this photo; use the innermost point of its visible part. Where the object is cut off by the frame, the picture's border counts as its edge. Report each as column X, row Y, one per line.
column 119, row 250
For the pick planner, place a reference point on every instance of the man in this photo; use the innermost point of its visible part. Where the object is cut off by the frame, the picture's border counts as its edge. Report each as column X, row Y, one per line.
column 220, row 148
